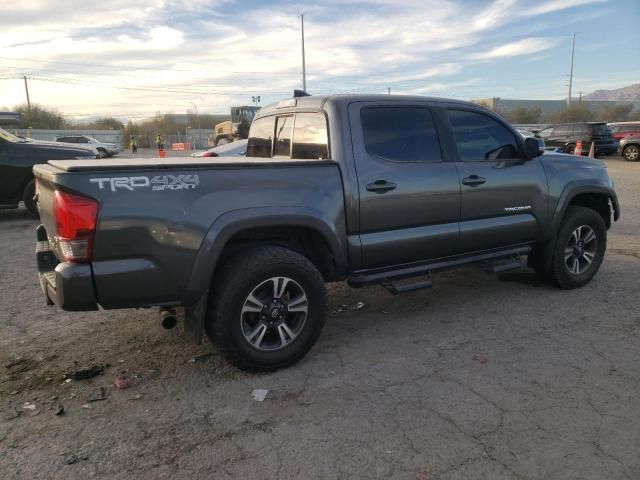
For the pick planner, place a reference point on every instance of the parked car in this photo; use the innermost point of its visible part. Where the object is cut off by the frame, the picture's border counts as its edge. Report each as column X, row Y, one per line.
column 624, row 129
column 630, row 148
column 104, row 149
column 233, row 149
column 566, row 135
column 403, row 186
column 17, row 158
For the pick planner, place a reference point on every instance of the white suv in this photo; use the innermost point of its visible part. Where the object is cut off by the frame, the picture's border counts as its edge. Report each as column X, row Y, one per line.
column 104, row 149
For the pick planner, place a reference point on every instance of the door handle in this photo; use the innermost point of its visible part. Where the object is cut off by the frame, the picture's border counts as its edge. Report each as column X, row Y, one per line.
column 473, row 180
column 381, row 186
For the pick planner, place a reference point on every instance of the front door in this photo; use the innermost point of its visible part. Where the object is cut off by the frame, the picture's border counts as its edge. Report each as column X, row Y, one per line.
column 409, row 195
column 503, row 196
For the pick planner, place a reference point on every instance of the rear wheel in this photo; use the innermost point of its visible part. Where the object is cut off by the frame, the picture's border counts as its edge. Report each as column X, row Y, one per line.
column 27, row 197
column 268, row 308
column 102, row 153
column 631, row 153
column 579, row 249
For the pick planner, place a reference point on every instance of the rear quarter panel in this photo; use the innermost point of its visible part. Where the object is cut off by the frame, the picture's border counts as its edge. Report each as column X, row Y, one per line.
column 147, row 241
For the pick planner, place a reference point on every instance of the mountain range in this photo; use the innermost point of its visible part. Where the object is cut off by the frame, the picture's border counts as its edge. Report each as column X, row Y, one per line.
column 630, row 93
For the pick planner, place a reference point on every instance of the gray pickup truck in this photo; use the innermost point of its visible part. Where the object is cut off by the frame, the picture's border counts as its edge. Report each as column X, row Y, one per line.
column 368, row 189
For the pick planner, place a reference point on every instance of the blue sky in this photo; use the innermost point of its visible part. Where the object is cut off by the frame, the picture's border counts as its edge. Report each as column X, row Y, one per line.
column 132, row 59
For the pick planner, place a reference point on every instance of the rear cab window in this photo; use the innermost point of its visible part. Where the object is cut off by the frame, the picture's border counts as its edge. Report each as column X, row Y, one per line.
column 299, row 136
column 261, row 137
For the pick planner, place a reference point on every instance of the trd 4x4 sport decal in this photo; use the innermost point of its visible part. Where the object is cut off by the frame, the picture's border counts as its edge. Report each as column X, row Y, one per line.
column 156, row 183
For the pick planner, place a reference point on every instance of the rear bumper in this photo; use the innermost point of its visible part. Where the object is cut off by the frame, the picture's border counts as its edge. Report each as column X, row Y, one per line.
column 67, row 285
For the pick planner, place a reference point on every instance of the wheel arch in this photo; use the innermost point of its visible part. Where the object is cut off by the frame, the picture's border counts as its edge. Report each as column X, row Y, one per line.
column 302, row 229
column 599, row 198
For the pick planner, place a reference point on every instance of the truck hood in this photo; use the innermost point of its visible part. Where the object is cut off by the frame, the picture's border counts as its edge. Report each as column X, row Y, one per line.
column 565, row 160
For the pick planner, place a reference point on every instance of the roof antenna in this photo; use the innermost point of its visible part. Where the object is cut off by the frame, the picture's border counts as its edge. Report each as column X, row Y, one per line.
column 300, row 93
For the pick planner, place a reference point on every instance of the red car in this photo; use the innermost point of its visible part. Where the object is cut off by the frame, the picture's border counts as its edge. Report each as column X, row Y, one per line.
column 623, row 130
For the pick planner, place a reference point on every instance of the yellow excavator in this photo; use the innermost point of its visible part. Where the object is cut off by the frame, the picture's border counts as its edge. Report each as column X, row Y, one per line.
column 237, row 128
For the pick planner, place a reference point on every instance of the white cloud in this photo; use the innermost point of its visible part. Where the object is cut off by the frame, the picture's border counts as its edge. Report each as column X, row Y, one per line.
column 525, row 46
column 217, row 51
column 556, row 5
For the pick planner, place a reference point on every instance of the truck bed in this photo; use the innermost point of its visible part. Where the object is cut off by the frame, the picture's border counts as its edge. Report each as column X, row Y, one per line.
column 160, row 219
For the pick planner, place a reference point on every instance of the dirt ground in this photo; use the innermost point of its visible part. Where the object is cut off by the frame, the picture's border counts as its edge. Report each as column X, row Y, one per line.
column 483, row 376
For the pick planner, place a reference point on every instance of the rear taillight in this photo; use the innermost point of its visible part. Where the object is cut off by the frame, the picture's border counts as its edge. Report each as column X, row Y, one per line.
column 209, row 154
column 75, row 224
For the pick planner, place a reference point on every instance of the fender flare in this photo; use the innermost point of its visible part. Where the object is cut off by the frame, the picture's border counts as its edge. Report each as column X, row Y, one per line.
column 579, row 187
column 231, row 223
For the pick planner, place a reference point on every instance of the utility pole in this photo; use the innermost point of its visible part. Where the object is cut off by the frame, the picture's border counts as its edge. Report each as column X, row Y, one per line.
column 388, row 90
column 580, row 98
column 573, row 48
column 197, row 142
column 304, row 70
column 26, row 88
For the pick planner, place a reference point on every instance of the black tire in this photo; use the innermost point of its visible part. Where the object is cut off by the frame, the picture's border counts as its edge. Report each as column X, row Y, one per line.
column 239, row 277
column 102, row 153
column 27, row 198
column 631, row 153
column 560, row 273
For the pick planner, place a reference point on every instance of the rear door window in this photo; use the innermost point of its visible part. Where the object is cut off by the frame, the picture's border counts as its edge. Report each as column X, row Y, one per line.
column 284, row 129
column 310, row 139
column 480, row 137
column 402, row 134
column 261, row 137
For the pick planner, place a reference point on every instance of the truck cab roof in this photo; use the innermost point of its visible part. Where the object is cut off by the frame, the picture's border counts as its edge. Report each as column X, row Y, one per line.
column 318, row 102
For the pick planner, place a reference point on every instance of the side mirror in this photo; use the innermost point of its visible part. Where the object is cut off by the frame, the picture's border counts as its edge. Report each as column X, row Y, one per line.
column 533, row 147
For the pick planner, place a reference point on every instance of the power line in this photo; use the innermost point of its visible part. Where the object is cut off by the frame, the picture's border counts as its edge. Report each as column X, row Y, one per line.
column 177, row 89
column 138, row 67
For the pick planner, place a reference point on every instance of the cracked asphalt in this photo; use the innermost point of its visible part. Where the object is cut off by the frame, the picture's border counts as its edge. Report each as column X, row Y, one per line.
column 483, row 376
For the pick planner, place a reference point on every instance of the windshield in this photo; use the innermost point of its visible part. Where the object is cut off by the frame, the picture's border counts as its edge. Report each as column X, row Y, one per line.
column 10, row 137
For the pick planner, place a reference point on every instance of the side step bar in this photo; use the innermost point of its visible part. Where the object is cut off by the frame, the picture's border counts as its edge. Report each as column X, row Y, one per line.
column 409, row 287
column 496, row 262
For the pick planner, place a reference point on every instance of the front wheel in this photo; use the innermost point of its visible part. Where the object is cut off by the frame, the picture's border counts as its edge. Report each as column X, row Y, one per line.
column 579, row 248
column 268, row 308
column 631, row 153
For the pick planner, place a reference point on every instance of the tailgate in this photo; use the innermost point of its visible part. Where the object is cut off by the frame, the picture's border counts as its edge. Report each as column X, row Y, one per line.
column 68, row 285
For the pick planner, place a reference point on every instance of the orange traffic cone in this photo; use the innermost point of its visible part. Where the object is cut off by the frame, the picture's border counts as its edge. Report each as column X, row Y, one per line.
column 161, row 153
column 578, row 149
column 592, row 150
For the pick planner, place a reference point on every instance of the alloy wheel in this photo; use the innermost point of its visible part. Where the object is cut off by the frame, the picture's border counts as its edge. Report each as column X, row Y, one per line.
column 274, row 313
column 632, row 152
column 580, row 250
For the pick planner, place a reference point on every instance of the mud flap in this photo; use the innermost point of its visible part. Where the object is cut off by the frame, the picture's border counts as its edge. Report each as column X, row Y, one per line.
column 194, row 317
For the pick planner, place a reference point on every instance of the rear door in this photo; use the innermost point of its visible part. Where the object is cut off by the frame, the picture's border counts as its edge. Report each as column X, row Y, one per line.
column 503, row 196
column 409, row 193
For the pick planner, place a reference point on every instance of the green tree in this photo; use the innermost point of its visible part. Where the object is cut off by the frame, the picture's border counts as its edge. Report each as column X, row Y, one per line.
column 39, row 117
column 524, row 115
column 617, row 113
column 576, row 112
column 106, row 123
